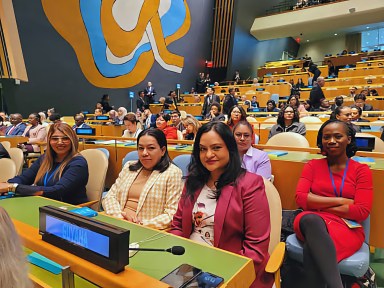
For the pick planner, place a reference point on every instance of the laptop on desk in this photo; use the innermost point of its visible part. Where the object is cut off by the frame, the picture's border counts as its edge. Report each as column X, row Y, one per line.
column 365, row 143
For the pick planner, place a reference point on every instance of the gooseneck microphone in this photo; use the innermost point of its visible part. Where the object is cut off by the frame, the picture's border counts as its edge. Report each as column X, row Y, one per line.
column 175, row 250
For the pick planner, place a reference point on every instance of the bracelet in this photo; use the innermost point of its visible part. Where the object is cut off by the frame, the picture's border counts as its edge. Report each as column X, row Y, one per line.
column 12, row 187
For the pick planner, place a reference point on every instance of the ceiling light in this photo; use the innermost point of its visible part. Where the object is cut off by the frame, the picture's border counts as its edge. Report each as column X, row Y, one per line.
column 335, row 34
column 367, row 27
column 307, row 40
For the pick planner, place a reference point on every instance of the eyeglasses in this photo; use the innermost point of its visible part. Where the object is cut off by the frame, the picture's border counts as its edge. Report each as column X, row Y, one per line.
column 287, row 111
column 62, row 139
column 236, row 112
column 245, row 136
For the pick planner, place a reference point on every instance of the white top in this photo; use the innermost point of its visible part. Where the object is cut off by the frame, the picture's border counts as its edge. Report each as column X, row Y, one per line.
column 128, row 134
column 203, row 216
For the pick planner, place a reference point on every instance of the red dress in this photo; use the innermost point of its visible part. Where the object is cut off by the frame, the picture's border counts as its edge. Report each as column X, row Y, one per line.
column 358, row 186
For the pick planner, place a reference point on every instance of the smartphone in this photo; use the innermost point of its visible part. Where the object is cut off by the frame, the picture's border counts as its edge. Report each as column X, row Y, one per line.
column 181, row 276
column 206, row 280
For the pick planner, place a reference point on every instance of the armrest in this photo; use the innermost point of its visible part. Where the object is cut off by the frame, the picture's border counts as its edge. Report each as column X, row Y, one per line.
column 88, row 204
column 276, row 259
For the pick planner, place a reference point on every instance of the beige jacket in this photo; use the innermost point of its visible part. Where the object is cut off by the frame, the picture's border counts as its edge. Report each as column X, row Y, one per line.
column 158, row 200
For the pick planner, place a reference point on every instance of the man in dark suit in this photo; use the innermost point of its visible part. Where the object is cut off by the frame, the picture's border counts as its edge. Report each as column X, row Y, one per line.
column 79, row 122
column 150, row 94
column 140, row 102
column 208, row 100
column 229, row 100
column 17, row 128
column 317, row 94
column 360, row 102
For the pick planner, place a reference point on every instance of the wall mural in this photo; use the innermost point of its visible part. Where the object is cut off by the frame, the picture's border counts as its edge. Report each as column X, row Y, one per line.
column 117, row 41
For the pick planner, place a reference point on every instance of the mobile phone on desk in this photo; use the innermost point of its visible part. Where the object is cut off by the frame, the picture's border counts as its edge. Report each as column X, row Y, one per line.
column 206, row 280
column 85, row 211
column 181, row 276
column 7, row 195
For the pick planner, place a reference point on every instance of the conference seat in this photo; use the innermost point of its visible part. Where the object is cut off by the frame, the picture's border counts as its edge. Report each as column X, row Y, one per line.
column 7, row 169
column 276, row 248
column 6, row 144
column 182, row 161
column 379, row 144
column 97, row 169
column 290, row 139
column 17, row 156
column 355, row 265
column 131, row 156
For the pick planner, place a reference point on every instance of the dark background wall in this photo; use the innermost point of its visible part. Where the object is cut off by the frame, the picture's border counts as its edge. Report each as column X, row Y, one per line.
column 247, row 52
column 55, row 78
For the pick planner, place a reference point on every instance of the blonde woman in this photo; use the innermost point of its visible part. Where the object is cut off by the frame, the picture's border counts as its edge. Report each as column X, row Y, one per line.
column 191, row 126
column 13, row 266
column 61, row 173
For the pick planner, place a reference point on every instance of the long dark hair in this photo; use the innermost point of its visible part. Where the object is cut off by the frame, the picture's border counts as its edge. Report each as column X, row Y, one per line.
column 198, row 175
column 351, row 147
column 165, row 161
column 242, row 112
column 280, row 117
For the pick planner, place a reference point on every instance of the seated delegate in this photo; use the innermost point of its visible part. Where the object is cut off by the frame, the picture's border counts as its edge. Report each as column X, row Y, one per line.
column 222, row 205
column 61, row 173
column 130, row 123
column 253, row 160
column 332, row 191
column 288, row 121
column 147, row 191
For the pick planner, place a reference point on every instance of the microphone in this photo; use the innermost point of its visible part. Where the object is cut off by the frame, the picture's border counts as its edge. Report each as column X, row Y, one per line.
column 175, row 250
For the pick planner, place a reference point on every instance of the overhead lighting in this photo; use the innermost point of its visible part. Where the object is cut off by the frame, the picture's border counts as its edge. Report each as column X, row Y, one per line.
column 367, row 27
column 307, row 40
column 335, row 34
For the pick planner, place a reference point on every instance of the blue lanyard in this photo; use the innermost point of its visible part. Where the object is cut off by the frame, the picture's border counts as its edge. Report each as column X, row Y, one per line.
column 48, row 176
column 342, row 181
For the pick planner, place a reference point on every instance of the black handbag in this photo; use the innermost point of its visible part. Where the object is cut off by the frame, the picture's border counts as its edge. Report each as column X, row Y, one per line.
column 287, row 223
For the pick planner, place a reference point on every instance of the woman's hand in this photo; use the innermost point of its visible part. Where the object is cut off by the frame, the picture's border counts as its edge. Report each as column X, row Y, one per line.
column 130, row 216
column 4, row 187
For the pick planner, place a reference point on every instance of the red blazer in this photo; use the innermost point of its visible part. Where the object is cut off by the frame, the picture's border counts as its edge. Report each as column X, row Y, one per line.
column 242, row 223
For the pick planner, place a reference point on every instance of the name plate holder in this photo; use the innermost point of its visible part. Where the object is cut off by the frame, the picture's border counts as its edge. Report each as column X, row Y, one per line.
column 102, row 244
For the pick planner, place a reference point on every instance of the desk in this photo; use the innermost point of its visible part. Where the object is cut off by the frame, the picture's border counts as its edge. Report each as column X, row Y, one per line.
column 145, row 267
column 287, row 171
column 14, row 140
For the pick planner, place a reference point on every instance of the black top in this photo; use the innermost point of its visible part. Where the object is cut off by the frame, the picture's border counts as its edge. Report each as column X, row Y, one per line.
column 106, row 106
column 3, row 152
column 315, row 96
column 70, row 188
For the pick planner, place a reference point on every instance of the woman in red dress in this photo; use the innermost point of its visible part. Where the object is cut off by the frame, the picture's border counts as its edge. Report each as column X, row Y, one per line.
column 330, row 191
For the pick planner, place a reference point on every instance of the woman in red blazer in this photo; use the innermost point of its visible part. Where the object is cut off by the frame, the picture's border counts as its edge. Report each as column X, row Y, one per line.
column 222, row 205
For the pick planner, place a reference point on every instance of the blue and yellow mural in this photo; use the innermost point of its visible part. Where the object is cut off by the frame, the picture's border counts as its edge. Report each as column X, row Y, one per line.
column 117, row 41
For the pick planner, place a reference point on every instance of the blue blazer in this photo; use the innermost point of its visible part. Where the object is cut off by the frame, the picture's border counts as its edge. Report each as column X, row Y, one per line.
column 18, row 131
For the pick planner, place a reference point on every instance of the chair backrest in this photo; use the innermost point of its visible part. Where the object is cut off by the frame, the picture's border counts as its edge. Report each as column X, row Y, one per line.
column 374, row 127
column 105, row 151
column 367, row 228
column 379, row 144
column 275, row 214
column 18, row 157
column 7, row 169
column 182, row 161
column 290, row 139
column 180, row 135
column 275, row 97
column 251, row 119
column 97, row 170
column 131, row 156
column 6, row 144
column 310, row 119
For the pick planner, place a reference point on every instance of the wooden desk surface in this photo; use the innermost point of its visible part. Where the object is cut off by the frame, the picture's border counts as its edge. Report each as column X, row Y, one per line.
column 145, row 267
column 14, row 140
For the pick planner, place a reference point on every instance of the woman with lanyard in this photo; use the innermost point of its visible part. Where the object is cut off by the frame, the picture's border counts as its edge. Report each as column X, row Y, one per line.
column 332, row 191
column 130, row 123
column 61, row 173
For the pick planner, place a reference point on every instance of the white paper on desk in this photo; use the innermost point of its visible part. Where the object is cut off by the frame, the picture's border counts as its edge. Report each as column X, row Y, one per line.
column 110, row 142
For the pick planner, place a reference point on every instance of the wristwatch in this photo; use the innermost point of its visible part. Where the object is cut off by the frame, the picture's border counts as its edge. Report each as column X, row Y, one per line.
column 12, row 187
